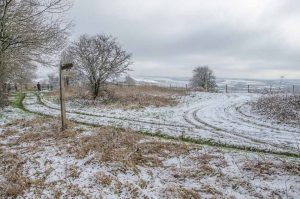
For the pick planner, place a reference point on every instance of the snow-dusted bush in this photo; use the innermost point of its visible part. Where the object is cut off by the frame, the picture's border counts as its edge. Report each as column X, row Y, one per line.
column 282, row 107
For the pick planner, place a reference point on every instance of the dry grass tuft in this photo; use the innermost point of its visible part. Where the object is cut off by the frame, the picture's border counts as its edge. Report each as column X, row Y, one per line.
column 121, row 145
column 181, row 193
column 209, row 158
column 14, row 182
column 43, row 128
column 164, row 149
column 8, row 132
column 266, row 167
column 73, row 171
column 103, row 179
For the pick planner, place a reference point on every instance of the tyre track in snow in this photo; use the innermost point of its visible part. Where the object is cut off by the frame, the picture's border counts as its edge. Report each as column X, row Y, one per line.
column 246, row 118
column 194, row 123
column 176, row 128
column 284, row 136
column 80, row 115
column 283, row 143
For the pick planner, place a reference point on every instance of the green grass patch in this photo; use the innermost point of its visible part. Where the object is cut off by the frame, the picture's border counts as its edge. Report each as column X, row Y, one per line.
column 18, row 101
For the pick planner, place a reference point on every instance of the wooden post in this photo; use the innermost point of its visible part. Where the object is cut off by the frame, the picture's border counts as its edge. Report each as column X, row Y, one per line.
column 226, row 88
column 62, row 99
column 62, row 68
column 248, row 88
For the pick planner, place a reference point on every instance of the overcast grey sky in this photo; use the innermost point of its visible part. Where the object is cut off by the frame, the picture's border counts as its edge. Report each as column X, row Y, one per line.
column 248, row 38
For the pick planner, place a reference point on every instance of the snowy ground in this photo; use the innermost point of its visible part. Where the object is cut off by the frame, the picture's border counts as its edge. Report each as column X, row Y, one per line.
column 37, row 161
column 223, row 118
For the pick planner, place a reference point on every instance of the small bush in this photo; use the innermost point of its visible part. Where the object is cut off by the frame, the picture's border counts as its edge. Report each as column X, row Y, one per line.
column 281, row 107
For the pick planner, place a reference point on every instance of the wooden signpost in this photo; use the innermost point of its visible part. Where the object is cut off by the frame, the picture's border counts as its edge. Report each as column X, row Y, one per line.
column 62, row 68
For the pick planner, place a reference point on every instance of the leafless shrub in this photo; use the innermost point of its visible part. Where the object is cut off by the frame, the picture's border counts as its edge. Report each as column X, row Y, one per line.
column 204, row 78
column 99, row 58
column 281, row 107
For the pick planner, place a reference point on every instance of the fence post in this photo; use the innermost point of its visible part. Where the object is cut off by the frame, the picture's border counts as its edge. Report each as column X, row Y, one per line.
column 294, row 89
column 226, row 88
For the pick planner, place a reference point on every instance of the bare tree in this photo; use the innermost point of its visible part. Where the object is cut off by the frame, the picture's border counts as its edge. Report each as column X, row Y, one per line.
column 203, row 77
column 99, row 58
column 31, row 32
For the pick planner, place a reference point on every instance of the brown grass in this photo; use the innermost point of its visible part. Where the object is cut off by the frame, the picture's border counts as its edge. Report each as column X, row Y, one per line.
column 141, row 96
column 266, row 167
column 209, row 158
column 126, row 97
column 42, row 128
column 181, row 193
column 121, row 145
column 8, row 132
column 14, row 182
column 102, row 178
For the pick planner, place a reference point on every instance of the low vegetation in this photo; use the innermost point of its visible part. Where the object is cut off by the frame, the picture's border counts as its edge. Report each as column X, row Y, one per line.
column 124, row 96
column 282, row 107
column 37, row 160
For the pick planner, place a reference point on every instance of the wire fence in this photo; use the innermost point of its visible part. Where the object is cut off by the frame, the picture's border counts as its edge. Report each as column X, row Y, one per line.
column 224, row 88
column 295, row 89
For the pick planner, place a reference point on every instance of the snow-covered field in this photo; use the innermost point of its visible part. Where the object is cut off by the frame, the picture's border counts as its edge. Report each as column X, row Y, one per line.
column 223, row 118
column 36, row 161
column 234, row 85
